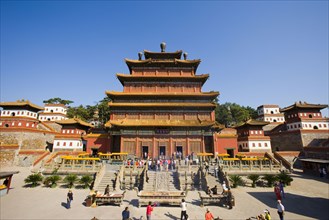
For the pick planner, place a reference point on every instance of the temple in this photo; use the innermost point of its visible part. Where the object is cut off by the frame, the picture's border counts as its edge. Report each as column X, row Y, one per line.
column 162, row 109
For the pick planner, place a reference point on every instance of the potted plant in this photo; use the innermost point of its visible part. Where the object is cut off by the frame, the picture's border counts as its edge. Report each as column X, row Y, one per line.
column 270, row 179
column 86, row 181
column 51, row 181
column 70, row 180
column 236, row 180
column 285, row 178
column 254, row 178
column 34, row 179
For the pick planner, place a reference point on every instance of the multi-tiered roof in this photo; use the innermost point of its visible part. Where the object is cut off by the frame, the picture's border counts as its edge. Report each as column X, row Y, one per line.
column 162, row 82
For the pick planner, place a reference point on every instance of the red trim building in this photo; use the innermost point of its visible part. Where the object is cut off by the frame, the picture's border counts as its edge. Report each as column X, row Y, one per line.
column 251, row 137
column 162, row 109
column 72, row 135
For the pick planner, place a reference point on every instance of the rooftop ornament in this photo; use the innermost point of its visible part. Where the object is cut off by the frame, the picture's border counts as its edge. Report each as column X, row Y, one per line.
column 185, row 56
column 140, row 55
column 163, row 47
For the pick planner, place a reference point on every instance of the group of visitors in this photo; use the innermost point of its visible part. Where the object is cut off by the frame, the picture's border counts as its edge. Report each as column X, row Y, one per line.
column 267, row 215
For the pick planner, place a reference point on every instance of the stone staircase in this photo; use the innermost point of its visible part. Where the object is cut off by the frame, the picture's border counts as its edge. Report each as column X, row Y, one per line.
column 108, row 178
column 212, row 180
column 162, row 181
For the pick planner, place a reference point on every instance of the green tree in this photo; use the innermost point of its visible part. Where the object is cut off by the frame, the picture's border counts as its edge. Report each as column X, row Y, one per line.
column 99, row 112
column 285, row 178
column 103, row 110
column 34, row 179
column 58, row 101
column 51, row 181
column 254, row 178
column 236, row 180
column 270, row 179
column 231, row 114
column 70, row 180
column 86, row 181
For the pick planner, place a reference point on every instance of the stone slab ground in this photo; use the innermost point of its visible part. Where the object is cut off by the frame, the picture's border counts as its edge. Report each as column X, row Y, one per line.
column 306, row 198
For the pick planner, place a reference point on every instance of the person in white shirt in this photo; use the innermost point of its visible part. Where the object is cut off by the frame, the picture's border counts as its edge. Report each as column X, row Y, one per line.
column 280, row 209
column 183, row 214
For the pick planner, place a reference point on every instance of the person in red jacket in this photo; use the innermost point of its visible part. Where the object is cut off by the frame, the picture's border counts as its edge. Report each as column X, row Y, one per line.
column 149, row 210
column 209, row 215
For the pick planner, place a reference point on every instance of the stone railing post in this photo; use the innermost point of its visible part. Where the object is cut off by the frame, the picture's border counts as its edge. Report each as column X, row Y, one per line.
column 271, row 165
column 131, row 180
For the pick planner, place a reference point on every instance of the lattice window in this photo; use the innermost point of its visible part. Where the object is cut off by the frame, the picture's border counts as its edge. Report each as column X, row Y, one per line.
column 129, row 147
column 195, row 146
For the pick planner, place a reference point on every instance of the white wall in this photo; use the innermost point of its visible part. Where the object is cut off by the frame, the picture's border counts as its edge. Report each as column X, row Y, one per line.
column 308, row 126
column 76, row 144
column 19, row 113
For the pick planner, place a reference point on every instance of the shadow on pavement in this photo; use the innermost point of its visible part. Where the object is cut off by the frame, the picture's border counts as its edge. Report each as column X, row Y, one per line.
column 64, row 204
column 170, row 216
column 133, row 202
column 302, row 205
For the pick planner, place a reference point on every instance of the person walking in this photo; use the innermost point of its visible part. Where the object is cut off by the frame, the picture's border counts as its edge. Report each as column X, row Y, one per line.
column 280, row 209
column 107, row 190
column 281, row 185
column 208, row 215
column 229, row 199
column 69, row 199
column 183, row 213
column 125, row 214
column 149, row 210
column 277, row 191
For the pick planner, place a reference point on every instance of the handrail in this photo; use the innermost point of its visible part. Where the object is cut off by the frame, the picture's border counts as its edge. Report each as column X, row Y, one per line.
column 283, row 160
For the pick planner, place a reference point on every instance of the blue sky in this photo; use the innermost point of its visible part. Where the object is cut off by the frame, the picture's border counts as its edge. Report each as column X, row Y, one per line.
column 256, row 52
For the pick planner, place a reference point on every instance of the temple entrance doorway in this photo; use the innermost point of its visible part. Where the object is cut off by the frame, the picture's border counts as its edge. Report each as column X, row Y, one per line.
column 162, row 152
column 230, row 152
column 145, row 152
column 179, row 150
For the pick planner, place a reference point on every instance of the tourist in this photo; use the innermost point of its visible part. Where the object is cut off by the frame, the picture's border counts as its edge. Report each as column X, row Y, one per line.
column 208, row 215
column 225, row 189
column 149, row 210
column 216, row 172
column 69, row 199
column 208, row 191
column 324, row 172
column 207, row 167
column 267, row 215
column 107, row 190
column 6, row 182
column 277, row 191
column 229, row 199
column 125, row 214
column 183, row 214
column 281, row 186
column 280, row 209
column 214, row 190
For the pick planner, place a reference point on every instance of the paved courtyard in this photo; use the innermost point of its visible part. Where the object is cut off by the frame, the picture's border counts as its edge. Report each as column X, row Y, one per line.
column 306, row 198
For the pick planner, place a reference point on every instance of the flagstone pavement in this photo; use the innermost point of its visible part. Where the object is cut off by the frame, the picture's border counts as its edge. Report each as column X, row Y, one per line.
column 306, row 198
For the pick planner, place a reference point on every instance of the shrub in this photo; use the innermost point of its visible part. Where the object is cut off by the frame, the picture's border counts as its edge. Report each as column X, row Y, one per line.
column 270, row 179
column 34, row 179
column 70, row 180
column 86, row 181
column 285, row 178
column 236, row 180
column 254, row 178
column 51, row 181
